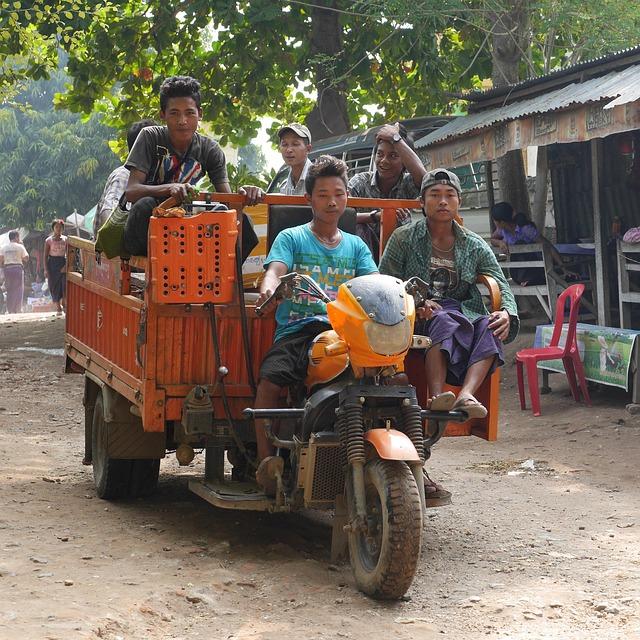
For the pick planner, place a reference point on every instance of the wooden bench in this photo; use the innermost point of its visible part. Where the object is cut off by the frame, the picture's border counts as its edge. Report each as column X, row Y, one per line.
column 546, row 293
column 628, row 261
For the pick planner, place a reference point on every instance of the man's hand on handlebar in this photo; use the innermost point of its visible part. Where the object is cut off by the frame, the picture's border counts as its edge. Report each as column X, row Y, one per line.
column 181, row 191
column 266, row 303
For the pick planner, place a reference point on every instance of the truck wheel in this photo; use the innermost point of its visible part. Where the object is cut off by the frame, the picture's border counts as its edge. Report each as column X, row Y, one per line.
column 110, row 476
column 384, row 558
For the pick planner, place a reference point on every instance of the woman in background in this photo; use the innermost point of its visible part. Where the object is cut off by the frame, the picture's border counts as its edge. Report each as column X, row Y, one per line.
column 514, row 228
column 13, row 257
column 55, row 258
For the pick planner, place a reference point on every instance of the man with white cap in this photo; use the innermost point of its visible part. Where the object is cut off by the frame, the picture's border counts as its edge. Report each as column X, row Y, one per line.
column 294, row 145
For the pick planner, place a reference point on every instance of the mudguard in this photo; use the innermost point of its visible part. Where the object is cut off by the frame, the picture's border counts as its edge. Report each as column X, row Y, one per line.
column 391, row 444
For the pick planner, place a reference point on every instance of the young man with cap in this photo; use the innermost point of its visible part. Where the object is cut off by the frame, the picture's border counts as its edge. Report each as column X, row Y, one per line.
column 466, row 338
column 294, row 145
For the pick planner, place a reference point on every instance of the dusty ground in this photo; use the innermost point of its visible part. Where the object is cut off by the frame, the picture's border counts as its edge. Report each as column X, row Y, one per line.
column 541, row 541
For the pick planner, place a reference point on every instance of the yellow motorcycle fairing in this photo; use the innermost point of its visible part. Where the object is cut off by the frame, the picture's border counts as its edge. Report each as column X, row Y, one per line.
column 328, row 358
column 374, row 316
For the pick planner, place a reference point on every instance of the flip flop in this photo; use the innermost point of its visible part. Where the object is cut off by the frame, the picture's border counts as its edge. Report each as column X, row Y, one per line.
column 470, row 406
column 267, row 473
column 435, row 494
column 443, row 401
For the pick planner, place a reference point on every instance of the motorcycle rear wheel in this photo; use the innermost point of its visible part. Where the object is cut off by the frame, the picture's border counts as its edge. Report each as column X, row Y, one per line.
column 384, row 559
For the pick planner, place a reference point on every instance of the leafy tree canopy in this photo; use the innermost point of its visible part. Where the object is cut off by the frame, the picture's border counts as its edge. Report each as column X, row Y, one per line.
column 279, row 58
column 52, row 161
column 254, row 58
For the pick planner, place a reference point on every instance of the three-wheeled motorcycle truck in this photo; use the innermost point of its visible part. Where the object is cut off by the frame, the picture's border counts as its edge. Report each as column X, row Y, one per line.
column 170, row 346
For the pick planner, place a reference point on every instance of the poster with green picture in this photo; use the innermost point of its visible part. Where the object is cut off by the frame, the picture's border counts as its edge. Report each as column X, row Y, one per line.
column 605, row 352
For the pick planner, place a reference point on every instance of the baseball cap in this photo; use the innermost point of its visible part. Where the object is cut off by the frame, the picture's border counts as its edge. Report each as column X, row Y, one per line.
column 440, row 176
column 298, row 129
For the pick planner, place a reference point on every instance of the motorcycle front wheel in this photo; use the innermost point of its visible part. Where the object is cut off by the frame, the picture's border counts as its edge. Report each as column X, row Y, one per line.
column 384, row 557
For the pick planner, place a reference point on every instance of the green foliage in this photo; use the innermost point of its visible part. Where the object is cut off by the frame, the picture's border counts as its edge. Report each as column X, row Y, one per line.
column 253, row 157
column 255, row 57
column 569, row 31
column 241, row 175
column 52, row 161
column 267, row 176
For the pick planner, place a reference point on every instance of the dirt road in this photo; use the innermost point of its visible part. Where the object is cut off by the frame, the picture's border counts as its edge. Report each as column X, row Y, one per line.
column 541, row 541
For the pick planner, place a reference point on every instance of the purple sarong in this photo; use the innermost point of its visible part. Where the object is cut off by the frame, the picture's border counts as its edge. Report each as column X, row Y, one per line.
column 463, row 342
column 14, row 284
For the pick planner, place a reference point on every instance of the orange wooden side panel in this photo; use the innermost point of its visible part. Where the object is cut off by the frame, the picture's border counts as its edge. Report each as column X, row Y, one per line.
column 180, row 352
column 488, row 395
column 105, row 325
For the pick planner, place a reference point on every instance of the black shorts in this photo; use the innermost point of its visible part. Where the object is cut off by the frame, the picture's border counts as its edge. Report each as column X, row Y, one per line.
column 286, row 363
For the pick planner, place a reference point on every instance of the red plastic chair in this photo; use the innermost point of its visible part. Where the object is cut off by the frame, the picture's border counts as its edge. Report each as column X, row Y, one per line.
column 569, row 354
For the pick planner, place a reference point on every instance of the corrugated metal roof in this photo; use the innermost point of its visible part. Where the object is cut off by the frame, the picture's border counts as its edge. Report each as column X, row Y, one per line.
column 619, row 57
column 620, row 87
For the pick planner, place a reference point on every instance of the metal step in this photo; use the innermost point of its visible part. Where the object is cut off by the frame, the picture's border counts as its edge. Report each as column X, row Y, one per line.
column 244, row 496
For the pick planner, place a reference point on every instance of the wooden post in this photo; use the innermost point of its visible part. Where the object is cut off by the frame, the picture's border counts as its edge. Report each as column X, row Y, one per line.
column 623, row 288
column 387, row 226
column 491, row 196
column 602, row 290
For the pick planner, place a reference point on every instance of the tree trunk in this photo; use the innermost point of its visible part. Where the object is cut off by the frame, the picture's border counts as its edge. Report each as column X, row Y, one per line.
column 329, row 117
column 510, row 43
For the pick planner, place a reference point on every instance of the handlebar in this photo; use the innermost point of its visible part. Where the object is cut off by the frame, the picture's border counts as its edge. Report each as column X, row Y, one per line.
column 419, row 289
column 289, row 284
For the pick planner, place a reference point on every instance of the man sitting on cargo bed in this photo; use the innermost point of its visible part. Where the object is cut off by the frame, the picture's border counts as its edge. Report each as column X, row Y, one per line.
column 324, row 252
column 295, row 146
column 397, row 176
column 167, row 161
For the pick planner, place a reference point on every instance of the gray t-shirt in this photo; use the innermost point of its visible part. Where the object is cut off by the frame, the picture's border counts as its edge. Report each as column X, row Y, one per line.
column 153, row 154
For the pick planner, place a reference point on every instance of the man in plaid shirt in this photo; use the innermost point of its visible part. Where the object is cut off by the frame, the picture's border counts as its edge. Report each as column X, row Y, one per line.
column 466, row 338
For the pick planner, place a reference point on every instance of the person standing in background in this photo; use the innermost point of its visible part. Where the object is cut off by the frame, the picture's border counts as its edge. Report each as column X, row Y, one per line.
column 55, row 259
column 295, row 146
column 13, row 257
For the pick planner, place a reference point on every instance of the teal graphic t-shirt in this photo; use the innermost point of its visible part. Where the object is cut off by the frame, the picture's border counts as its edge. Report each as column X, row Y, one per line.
column 302, row 252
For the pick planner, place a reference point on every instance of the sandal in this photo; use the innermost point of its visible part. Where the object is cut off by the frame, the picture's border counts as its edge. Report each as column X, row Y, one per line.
column 435, row 495
column 267, row 474
column 443, row 401
column 470, row 406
